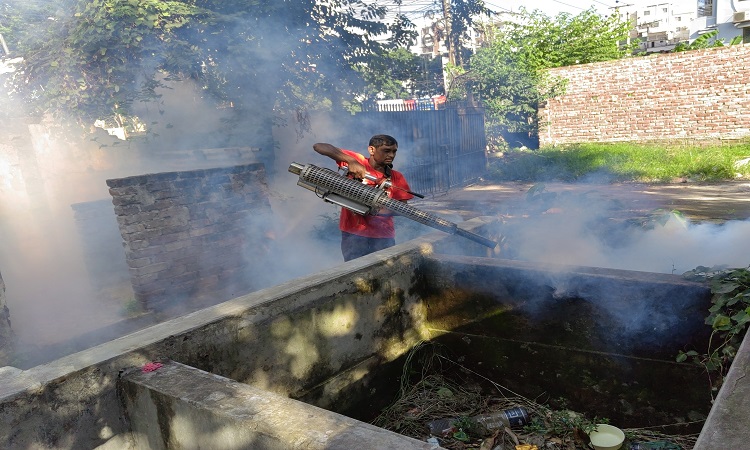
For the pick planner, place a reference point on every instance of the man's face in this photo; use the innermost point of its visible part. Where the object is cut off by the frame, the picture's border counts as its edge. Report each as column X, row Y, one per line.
column 385, row 154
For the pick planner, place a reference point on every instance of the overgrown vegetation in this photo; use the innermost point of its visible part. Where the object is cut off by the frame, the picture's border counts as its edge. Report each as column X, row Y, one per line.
column 623, row 162
column 510, row 73
column 95, row 59
column 728, row 318
column 431, row 390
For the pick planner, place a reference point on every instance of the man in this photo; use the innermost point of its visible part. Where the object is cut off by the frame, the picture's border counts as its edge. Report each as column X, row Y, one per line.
column 361, row 235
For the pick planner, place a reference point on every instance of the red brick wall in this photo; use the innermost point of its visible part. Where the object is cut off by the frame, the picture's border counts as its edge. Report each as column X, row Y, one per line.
column 701, row 94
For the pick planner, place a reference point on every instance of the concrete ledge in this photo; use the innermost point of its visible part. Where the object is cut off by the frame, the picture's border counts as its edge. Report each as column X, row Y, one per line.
column 298, row 331
column 181, row 407
column 74, row 402
column 728, row 423
column 641, row 312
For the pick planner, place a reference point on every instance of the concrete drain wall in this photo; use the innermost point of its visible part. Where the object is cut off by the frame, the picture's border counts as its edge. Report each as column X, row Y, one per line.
column 181, row 407
column 318, row 337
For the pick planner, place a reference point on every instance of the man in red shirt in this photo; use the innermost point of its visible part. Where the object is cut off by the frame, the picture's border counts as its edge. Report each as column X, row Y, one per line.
column 361, row 235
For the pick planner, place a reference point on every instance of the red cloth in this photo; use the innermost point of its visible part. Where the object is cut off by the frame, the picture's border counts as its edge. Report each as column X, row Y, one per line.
column 374, row 226
column 150, row 367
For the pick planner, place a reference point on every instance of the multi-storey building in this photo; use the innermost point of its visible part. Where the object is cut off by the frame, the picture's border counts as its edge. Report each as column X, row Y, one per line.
column 730, row 18
column 661, row 26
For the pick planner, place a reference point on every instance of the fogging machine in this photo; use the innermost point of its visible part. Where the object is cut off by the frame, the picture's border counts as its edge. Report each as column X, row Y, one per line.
column 364, row 199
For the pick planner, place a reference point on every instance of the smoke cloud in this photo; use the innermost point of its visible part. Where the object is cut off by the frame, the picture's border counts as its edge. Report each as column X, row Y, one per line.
column 590, row 230
column 54, row 297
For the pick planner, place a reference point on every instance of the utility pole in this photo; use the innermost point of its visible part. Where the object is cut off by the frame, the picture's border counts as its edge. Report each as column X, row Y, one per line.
column 5, row 46
column 448, row 38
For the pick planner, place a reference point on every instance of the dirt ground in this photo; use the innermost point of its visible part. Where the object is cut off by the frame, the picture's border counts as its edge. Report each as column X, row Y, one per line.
column 698, row 202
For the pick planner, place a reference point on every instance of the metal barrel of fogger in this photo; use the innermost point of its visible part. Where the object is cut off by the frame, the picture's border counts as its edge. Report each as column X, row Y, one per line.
column 377, row 198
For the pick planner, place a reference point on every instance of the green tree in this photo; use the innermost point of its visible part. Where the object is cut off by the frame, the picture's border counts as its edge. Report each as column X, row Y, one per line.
column 21, row 22
column 400, row 73
column 457, row 18
column 92, row 58
column 462, row 19
column 510, row 72
column 99, row 57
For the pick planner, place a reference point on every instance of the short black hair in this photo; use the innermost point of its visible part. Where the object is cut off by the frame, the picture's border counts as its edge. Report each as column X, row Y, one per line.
column 382, row 139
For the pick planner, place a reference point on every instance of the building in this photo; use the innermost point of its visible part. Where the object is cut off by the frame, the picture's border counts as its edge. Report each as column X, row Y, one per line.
column 659, row 27
column 730, row 18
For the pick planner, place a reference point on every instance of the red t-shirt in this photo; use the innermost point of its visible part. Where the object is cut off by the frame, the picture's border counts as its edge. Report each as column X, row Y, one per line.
column 374, row 226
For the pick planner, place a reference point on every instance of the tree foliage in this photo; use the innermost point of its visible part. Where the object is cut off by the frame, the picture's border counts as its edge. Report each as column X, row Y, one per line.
column 20, row 23
column 707, row 40
column 452, row 21
column 510, row 73
column 728, row 318
column 462, row 18
column 104, row 55
column 400, row 73
column 96, row 58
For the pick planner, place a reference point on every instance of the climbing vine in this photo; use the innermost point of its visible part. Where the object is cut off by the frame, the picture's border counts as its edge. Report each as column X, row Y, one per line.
column 728, row 318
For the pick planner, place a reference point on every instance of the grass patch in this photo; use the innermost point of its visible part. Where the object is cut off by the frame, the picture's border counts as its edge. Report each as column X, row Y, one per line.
column 610, row 162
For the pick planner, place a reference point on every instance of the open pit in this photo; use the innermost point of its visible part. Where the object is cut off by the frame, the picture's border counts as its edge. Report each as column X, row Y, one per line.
column 276, row 367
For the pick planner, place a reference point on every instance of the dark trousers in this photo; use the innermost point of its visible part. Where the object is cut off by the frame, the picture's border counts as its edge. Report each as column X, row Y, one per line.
column 354, row 246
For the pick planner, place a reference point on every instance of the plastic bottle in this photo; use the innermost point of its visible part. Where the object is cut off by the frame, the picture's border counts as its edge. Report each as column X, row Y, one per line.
column 511, row 418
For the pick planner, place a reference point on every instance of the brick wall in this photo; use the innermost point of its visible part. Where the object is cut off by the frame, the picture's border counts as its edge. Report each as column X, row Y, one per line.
column 701, row 94
column 193, row 237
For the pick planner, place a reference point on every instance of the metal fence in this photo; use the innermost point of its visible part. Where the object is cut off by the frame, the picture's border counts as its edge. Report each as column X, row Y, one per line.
column 439, row 149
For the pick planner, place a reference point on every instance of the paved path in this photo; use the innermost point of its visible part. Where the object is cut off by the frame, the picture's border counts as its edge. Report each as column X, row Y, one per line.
column 697, row 201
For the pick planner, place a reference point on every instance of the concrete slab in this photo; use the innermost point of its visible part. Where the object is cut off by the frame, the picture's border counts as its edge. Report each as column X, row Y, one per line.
column 181, row 407
column 728, row 423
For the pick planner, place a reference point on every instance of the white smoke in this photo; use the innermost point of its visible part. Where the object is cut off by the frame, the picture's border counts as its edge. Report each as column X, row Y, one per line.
column 585, row 233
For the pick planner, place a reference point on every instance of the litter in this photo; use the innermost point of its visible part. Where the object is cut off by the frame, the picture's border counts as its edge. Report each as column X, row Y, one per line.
column 150, row 367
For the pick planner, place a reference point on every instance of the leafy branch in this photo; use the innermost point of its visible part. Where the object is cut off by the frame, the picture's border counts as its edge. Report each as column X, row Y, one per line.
column 707, row 40
column 728, row 318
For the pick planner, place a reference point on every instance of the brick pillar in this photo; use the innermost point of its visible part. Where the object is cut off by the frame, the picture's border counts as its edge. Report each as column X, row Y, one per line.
column 194, row 238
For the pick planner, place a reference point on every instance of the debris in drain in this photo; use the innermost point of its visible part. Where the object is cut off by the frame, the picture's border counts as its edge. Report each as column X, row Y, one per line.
column 440, row 405
column 655, row 445
column 517, row 417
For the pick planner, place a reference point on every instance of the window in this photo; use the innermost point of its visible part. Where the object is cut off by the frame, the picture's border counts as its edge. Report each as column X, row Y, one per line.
column 705, row 8
column 646, row 13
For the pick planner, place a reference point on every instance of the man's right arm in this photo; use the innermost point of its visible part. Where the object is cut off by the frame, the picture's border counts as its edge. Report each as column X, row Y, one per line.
column 355, row 168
